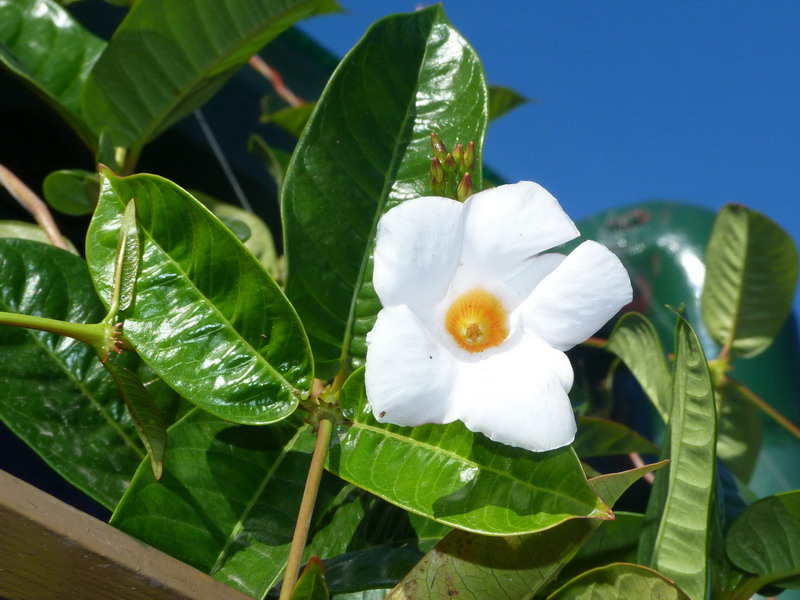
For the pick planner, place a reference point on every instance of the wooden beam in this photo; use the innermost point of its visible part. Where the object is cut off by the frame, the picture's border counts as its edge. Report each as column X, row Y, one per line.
column 51, row 551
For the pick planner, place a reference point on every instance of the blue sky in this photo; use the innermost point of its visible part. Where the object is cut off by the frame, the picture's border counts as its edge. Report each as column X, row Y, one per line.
column 698, row 102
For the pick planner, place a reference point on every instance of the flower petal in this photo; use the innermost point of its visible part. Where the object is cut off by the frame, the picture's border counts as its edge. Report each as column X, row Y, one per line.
column 579, row 297
column 417, row 249
column 519, row 287
column 410, row 376
column 519, row 396
column 505, row 225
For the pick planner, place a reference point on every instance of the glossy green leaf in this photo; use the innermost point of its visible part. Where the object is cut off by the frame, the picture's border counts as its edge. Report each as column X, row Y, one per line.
column 636, row 342
column 56, row 395
column 207, row 317
column 503, row 100
column 476, row 567
column 367, row 148
column 751, row 276
column 145, row 414
column 311, row 584
column 72, row 191
column 682, row 542
column 228, row 498
column 168, row 57
column 765, row 541
column 41, row 43
column 28, row 231
column 276, row 161
column 259, row 239
column 619, row 580
column 387, row 543
column 601, row 437
column 740, row 431
column 470, row 482
column 614, row 541
column 292, row 119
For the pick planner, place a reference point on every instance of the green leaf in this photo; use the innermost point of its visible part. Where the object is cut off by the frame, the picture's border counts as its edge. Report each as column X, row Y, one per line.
column 311, row 584
column 386, row 544
column 740, row 431
column 41, row 43
column 56, row 395
column 366, row 149
column 146, row 416
column 207, row 317
column 681, row 547
column 635, row 341
column 28, row 231
column 292, row 119
column 614, row 541
column 765, row 541
column 228, row 498
column 503, row 100
column 751, row 276
column 470, row 482
column 72, row 191
column 259, row 241
column 168, row 57
column 470, row 566
column 276, row 161
column 601, row 437
column 619, row 580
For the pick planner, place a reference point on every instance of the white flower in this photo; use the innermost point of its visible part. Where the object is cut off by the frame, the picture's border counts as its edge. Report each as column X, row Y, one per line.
column 475, row 320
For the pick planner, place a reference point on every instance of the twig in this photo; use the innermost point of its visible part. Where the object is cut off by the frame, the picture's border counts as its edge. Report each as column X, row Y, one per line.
column 35, row 205
column 257, row 63
column 638, row 462
column 767, row 408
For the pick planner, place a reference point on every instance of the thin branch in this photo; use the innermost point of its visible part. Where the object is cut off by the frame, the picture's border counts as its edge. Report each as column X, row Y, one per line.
column 35, row 205
column 638, row 462
column 766, row 407
column 306, row 509
column 257, row 63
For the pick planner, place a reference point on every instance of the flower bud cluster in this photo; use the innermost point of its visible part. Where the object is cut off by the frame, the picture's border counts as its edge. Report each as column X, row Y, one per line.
column 451, row 171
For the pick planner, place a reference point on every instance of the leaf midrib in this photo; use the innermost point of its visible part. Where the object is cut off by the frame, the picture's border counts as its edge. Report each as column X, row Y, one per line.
column 282, row 380
column 459, row 458
column 256, row 495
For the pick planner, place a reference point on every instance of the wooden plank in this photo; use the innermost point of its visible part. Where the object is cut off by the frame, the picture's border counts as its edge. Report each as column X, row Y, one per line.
column 51, row 551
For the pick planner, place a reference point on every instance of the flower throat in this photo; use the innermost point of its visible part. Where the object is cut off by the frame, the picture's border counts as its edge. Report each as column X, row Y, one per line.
column 477, row 321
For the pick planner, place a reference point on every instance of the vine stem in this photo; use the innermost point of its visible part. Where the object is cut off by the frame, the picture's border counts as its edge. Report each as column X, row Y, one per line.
column 306, row 508
column 35, row 205
column 274, row 77
column 760, row 403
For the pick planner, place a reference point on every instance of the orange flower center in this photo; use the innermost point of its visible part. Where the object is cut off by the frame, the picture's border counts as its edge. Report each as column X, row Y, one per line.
column 477, row 320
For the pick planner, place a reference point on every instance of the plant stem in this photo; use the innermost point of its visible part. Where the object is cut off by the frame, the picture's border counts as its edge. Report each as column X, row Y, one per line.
column 760, row 403
column 90, row 334
column 35, row 205
column 306, row 508
column 100, row 336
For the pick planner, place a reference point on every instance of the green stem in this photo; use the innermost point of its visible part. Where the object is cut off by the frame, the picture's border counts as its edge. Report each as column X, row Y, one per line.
column 306, row 508
column 92, row 334
column 749, row 588
column 760, row 403
column 100, row 336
